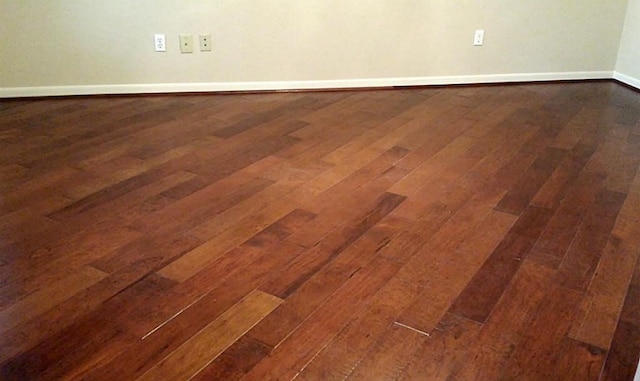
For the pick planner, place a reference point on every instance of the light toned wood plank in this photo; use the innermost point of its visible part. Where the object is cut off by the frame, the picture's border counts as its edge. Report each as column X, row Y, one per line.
column 190, row 263
column 196, row 353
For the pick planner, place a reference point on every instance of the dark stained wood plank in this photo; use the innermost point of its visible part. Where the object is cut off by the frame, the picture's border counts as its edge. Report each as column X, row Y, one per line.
column 29, row 334
column 307, row 103
column 483, row 291
column 487, row 356
column 624, row 352
column 330, row 247
column 235, row 362
column 582, row 257
column 445, row 276
column 44, row 265
column 601, row 306
column 559, row 233
column 628, row 116
column 44, row 299
column 521, row 194
column 301, row 302
column 196, row 209
column 552, row 193
column 76, row 348
column 338, row 213
column 625, row 166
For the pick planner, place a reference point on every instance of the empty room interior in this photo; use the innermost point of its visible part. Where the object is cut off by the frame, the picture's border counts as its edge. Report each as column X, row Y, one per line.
column 320, row 190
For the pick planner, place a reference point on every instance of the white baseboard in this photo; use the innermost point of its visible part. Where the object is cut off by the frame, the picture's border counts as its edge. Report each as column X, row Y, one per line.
column 635, row 82
column 15, row 92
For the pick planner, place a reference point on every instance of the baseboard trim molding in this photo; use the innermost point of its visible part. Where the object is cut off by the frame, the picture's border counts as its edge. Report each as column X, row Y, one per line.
column 155, row 88
column 627, row 80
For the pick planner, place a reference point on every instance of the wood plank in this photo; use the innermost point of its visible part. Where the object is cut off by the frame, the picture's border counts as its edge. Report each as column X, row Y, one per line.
column 331, row 246
column 336, row 214
column 78, row 347
column 29, row 334
column 559, row 233
column 483, row 291
column 56, row 262
column 445, row 277
column 44, row 299
column 388, row 359
column 340, row 357
column 287, row 359
column 582, row 257
column 193, row 304
column 196, row 353
column 447, row 345
column 234, row 362
column 521, row 194
column 301, row 303
column 591, row 359
column 192, row 262
column 601, row 306
column 474, row 215
column 624, row 352
column 487, row 356
column 551, row 194
column 276, row 197
column 533, row 358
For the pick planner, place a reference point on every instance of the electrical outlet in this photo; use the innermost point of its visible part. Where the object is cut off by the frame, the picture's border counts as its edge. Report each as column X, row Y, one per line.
column 478, row 38
column 160, row 42
column 186, row 43
column 205, row 42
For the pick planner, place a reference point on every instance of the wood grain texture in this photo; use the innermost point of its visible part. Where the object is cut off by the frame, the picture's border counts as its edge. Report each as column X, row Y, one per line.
column 483, row 291
column 436, row 233
column 338, row 359
column 208, row 343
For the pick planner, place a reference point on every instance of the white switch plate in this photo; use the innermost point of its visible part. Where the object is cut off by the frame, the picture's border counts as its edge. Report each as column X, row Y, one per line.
column 205, row 42
column 186, row 43
column 478, row 38
column 160, row 42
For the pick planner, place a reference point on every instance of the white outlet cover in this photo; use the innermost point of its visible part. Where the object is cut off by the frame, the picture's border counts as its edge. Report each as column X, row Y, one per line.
column 160, row 42
column 478, row 37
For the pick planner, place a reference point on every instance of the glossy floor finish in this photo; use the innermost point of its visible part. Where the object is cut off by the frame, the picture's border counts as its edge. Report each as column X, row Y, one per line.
column 461, row 233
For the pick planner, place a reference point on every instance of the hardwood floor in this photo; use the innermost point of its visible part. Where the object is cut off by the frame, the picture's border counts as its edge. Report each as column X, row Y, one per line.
column 460, row 233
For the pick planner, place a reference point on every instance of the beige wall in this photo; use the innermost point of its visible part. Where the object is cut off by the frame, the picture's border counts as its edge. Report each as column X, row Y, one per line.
column 629, row 55
column 104, row 42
